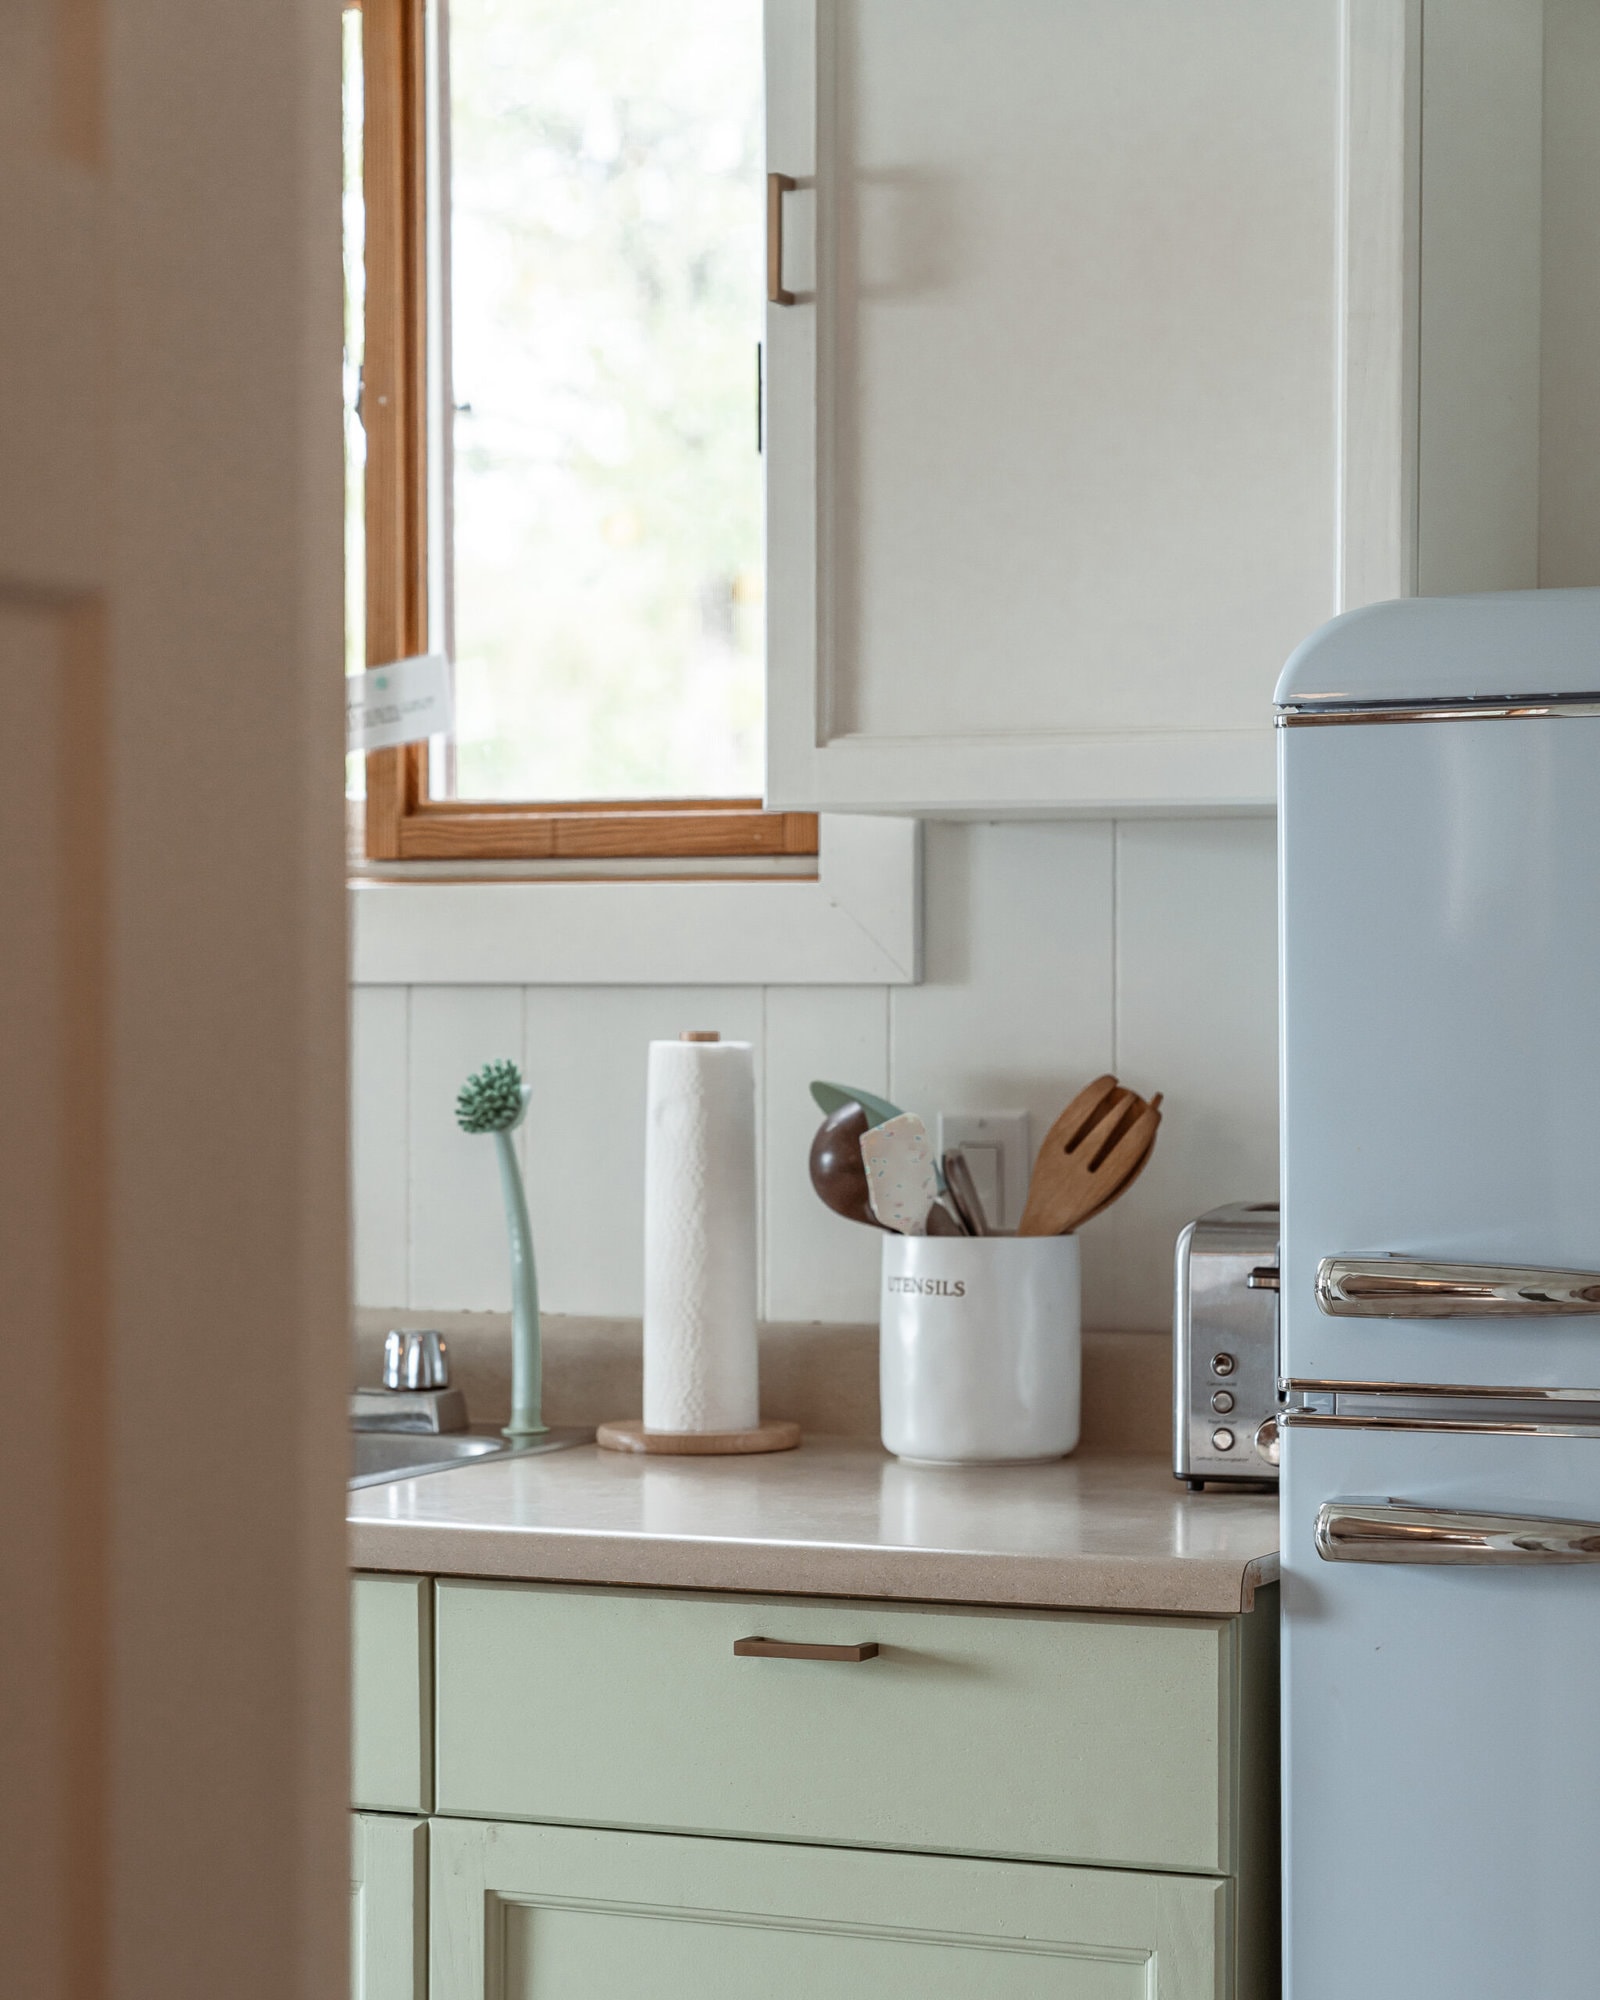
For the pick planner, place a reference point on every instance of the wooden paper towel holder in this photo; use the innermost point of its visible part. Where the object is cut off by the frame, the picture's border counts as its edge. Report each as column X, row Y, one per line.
column 629, row 1433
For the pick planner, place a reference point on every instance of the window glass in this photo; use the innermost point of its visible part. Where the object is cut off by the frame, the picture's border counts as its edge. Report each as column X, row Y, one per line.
column 602, row 479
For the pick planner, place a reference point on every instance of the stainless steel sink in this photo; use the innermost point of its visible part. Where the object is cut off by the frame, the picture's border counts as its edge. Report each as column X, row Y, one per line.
column 380, row 1455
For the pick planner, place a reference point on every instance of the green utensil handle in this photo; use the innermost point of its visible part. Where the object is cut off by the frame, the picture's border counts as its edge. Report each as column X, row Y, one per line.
column 527, row 1371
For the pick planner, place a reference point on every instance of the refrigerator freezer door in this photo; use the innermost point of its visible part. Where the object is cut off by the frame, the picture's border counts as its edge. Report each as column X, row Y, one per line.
column 1441, row 1731
column 1508, row 645
column 1441, row 993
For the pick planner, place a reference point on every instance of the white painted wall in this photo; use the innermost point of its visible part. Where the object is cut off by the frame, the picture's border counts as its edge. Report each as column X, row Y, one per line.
column 1053, row 951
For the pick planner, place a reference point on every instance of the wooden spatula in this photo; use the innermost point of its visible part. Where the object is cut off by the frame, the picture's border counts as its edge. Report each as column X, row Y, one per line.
column 1089, row 1155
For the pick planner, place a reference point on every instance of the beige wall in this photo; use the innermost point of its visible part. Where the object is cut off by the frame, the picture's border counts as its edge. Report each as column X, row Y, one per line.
column 172, row 1674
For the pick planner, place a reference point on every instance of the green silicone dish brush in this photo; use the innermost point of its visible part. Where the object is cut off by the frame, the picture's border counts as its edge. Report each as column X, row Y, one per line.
column 493, row 1100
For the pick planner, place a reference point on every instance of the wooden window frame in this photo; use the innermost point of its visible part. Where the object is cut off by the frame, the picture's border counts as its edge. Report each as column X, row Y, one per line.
column 402, row 822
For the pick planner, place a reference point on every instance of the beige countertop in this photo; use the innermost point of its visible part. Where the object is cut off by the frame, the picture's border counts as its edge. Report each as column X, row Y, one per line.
column 837, row 1518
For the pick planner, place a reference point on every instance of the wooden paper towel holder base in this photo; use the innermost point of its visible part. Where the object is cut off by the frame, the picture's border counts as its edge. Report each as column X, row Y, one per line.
column 629, row 1434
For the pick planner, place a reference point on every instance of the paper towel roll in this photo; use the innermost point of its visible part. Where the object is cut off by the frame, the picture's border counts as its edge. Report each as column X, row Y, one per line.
column 700, row 1238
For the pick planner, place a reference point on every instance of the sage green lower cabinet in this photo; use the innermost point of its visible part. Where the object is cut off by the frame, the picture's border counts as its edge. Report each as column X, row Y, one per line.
column 993, row 1805
column 388, row 1907
column 567, row 1913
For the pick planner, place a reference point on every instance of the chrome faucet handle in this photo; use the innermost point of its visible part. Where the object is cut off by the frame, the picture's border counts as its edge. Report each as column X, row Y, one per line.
column 415, row 1358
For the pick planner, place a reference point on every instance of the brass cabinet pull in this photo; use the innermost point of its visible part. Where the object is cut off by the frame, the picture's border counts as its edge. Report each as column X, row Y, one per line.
column 792, row 1649
column 778, row 185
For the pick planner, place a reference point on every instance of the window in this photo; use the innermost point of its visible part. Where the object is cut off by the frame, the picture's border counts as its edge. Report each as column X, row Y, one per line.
column 553, row 292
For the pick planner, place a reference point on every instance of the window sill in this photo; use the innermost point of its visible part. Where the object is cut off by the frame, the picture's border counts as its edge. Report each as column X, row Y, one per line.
column 855, row 921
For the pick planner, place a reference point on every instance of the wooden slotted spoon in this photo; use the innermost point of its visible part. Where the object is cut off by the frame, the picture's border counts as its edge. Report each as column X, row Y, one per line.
column 1115, row 1190
column 1094, row 1150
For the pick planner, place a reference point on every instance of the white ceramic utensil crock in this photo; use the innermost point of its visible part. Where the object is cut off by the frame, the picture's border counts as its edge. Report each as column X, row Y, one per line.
column 981, row 1356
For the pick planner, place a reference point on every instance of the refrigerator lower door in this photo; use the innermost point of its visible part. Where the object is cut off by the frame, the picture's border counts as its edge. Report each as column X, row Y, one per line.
column 1441, row 1718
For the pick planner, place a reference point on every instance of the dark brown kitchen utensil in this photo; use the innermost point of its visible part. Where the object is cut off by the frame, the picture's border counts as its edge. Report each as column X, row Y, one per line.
column 837, row 1172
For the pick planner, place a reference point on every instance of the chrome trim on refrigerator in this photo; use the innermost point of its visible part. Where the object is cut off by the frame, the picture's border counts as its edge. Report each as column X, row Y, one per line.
column 1413, row 1288
column 1315, row 1387
column 1393, row 1532
column 1372, row 1420
column 1498, row 708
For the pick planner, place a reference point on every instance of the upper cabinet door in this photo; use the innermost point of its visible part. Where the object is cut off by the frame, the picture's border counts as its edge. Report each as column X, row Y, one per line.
column 1100, row 381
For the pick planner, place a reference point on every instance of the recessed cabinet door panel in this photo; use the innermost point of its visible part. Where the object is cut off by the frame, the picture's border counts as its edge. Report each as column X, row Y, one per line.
column 1075, row 311
column 1084, row 357
column 559, row 1913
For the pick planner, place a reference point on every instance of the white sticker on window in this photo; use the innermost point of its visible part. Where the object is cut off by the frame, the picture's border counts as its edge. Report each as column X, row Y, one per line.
column 401, row 703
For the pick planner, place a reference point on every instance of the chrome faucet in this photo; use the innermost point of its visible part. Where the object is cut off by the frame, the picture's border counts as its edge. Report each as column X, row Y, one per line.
column 416, row 1394
column 415, row 1358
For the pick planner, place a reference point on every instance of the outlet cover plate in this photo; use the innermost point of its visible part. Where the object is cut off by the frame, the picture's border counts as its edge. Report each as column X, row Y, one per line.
column 999, row 1154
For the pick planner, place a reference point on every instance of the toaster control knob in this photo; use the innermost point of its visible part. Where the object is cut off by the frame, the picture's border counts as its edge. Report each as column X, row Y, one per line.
column 1223, row 1440
column 1267, row 1441
column 1223, row 1364
column 1222, row 1402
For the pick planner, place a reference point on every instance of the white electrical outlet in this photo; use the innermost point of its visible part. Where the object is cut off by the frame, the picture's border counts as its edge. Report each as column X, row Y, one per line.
column 997, row 1150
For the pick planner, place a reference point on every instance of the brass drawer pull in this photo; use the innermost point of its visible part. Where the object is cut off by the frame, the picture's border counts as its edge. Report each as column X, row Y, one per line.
column 778, row 185
column 792, row 1649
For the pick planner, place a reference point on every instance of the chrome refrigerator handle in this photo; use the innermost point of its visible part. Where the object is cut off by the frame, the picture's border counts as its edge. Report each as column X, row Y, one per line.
column 1391, row 1532
column 1408, row 1288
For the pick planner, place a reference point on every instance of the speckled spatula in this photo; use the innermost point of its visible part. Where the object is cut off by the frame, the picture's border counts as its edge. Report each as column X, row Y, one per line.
column 901, row 1185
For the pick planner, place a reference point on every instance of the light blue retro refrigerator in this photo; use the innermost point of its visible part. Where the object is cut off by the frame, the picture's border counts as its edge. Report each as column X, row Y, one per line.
column 1439, row 769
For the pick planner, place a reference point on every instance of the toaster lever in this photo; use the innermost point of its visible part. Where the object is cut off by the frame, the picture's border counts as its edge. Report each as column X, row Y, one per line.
column 1264, row 1278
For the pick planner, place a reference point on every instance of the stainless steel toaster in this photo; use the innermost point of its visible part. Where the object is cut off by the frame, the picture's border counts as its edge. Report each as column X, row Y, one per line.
column 1225, row 1347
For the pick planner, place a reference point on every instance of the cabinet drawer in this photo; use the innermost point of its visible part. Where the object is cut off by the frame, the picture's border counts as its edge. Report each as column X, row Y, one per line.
column 563, row 1913
column 391, row 1671
column 1050, row 1735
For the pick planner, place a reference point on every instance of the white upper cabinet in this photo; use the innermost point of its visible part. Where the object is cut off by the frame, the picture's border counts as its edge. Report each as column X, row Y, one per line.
column 1129, row 340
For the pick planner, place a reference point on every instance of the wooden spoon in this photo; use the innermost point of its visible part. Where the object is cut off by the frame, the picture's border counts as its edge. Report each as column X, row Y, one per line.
column 1089, row 1155
column 1128, row 1179
column 1065, row 1134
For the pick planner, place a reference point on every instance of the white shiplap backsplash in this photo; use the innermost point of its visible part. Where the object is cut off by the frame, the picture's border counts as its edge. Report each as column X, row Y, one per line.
column 1052, row 951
